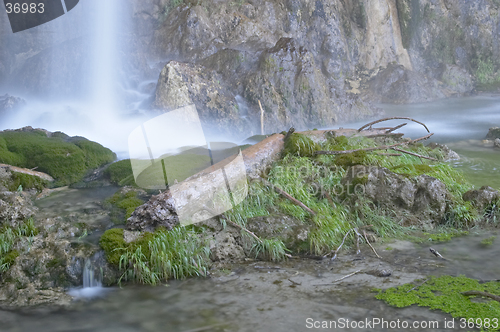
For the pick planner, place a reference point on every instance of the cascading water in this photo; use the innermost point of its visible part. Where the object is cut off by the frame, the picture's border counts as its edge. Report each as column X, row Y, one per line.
column 91, row 278
column 76, row 80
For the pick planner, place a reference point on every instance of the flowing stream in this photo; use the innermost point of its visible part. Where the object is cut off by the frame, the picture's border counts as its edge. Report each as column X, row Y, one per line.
column 262, row 296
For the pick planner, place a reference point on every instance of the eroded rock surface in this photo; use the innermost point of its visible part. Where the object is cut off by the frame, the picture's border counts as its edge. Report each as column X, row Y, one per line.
column 421, row 201
column 483, row 197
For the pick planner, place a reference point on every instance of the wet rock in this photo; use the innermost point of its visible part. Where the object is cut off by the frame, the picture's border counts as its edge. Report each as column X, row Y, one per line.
column 448, row 153
column 420, row 201
column 182, row 84
column 482, row 197
column 291, row 231
column 493, row 133
column 15, row 207
column 456, row 79
column 158, row 211
column 224, row 246
column 397, row 85
column 496, row 143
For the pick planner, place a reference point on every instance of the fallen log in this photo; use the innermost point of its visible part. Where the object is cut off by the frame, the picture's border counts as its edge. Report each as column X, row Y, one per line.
column 185, row 202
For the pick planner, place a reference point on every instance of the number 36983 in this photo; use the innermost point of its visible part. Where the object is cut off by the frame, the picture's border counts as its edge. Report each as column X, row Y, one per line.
column 25, row 8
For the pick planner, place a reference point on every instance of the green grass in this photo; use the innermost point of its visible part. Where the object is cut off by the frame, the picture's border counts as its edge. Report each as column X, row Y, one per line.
column 444, row 293
column 8, row 238
column 307, row 177
column 157, row 257
column 67, row 162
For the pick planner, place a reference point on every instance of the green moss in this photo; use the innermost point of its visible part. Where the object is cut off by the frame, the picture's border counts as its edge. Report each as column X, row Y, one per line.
column 488, row 241
column 351, row 159
column 27, row 181
column 10, row 257
column 65, row 161
column 120, row 173
column 444, row 293
column 123, row 203
column 113, row 244
column 300, row 145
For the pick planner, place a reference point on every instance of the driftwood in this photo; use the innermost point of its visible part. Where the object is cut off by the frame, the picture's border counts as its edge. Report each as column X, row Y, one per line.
column 368, row 125
column 383, row 147
column 414, row 154
column 397, row 127
column 391, row 135
column 373, row 249
column 483, row 294
column 288, row 196
column 339, row 279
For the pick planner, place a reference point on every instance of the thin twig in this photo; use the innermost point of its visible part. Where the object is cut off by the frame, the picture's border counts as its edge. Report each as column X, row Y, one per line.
column 383, row 147
column 415, row 154
column 344, row 277
column 288, row 196
column 294, row 283
column 396, row 128
column 242, row 228
column 417, row 286
column 358, row 236
column 390, row 154
column 393, row 135
column 366, row 238
column 393, row 118
column 483, row 294
column 336, row 251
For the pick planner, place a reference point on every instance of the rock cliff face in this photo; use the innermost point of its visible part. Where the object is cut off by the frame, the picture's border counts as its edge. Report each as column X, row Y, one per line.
column 310, row 63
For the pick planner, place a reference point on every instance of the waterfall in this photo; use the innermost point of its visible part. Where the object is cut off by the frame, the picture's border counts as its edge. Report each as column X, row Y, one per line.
column 90, row 277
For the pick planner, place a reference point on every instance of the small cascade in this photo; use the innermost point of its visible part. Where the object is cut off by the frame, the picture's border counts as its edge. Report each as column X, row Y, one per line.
column 90, row 277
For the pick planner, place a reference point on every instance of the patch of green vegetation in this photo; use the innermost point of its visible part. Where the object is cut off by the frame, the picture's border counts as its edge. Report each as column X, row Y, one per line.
column 9, row 236
column 270, row 249
column 65, row 161
column 486, row 71
column 300, row 145
column 27, row 181
column 157, row 257
column 123, row 204
column 488, row 241
column 444, row 293
column 445, row 235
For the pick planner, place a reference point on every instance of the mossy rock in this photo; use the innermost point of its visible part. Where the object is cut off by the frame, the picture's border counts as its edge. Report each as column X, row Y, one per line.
column 123, row 203
column 351, row 159
column 27, row 181
column 67, row 162
column 300, row 145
